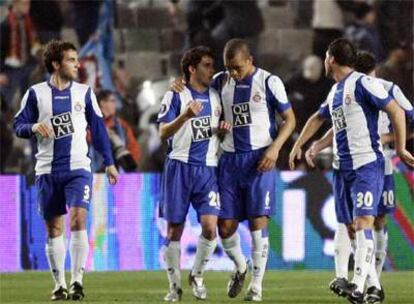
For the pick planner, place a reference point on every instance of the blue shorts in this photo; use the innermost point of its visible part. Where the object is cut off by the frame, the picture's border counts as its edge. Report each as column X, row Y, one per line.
column 183, row 184
column 58, row 189
column 358, row 192
column 387, row 201
column 245, row 193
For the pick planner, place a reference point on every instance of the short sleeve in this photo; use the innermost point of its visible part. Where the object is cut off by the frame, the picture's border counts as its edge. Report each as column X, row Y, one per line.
column 276, row 92
column 170, row 107
column 375, row 93
column 324, row 110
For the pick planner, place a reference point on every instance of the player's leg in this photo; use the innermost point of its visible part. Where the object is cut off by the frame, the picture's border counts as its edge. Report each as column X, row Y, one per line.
column 78, row 192
column 175, row 194
column 52, row 207
column 259, row 193
column 172, row 254
column 260, row 249
column 344, row 234
column 366, row 196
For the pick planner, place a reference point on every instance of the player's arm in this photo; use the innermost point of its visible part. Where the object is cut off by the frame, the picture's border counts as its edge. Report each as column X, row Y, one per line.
column 278, row 98
column 311, row 127
column 317, row 146
column 168, row 129
column 25, row 120
column 100, row 139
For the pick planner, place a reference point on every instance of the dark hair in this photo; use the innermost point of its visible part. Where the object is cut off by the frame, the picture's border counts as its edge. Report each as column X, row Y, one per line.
column 343, row 51
column 235, row 46
column 102, row 95
column 365, row 62
column 361, row 10
column 54, row 53
column 193, row 57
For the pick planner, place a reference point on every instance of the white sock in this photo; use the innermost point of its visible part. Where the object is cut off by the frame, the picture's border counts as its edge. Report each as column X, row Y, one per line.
column 260, row 249
column 79, row 248
column 343, row 250
column 172, row 261
column 363, row 257
column 232, row 247
column 205, row 249
column 56, row 254
column 381, row 242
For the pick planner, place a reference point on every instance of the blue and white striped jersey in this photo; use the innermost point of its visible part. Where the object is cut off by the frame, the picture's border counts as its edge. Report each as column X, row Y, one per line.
column 354, row 104
column 69, row 113
column 251, row 105
column 385, row 123
column 196, row 142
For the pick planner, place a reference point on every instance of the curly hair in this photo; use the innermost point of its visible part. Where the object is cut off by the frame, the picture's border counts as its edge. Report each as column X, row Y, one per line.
column 54, row 53
column 193, row 57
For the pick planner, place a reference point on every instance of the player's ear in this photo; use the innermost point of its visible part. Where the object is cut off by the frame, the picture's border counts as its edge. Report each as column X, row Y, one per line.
column 192, row 69
column 56, row 65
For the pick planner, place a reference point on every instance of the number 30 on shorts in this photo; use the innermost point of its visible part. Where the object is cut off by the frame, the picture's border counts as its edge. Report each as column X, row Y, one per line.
column 214, row 199
column 365, row 199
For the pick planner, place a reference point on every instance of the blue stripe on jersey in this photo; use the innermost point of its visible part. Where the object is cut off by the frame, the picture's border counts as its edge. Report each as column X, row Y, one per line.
column 61, row 103
column 271, row 105
column 241, row 135
column 371, row 115
column 198, row 149
column 341, row 139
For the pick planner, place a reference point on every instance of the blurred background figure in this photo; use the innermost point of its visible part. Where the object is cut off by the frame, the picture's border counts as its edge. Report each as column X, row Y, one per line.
column 47, row 18
column 19, row 47
column 125, row 148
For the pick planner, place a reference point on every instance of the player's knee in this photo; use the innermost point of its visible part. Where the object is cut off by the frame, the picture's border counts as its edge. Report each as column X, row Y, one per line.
column 380, row 222
column 351, row 231
column 226, row 232
column 54, row 231
column 77, row 223
column 364, row 222
column 209, row 232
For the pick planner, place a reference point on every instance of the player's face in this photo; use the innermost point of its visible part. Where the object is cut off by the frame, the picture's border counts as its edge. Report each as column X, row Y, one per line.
column 239, row 66
column 204, row 71
column 68, row 68
column 328, row 65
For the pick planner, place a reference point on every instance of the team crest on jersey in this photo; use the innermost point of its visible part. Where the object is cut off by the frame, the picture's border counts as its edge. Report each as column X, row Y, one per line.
column 62, row 125
column 338, row 119
column 201, row 128
column 257, row 97
column 348, row 99
column 78, row 107
column 241, row 114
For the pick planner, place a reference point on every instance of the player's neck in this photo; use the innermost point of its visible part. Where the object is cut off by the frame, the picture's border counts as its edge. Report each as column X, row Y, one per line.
column 196, row 86
column 341, row 73
column 59, row 82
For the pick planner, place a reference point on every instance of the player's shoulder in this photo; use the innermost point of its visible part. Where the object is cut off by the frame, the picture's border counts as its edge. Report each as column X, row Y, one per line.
column 80, row 86
column 373, row 86
column 38, row 88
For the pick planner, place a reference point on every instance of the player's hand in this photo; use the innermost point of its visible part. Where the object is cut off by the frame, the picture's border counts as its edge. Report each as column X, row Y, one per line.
column 4, row 80
column 193, row 109
column 224, row 128
column 311, row 153
column 177, row 85
column 296, row 153
column 269, row 158
column 112, row 174
column 42, row 129
column 406, row 157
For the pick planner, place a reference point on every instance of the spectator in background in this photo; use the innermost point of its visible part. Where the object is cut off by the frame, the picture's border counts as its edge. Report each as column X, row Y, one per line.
column 85, row 18
column 306, row 90
column 47, row 19
column 19, row 46
column 398, row 68
column 125, row 148
column 364, row 32
column 327, row 24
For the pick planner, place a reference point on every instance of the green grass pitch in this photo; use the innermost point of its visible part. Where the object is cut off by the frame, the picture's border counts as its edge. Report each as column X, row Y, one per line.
column 150, row 287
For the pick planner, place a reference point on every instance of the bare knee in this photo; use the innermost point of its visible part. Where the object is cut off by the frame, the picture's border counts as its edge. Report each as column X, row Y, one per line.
column 174, row 232
column 227, row 228
column 54, row 227
column 380, row 222
column 364, row 222
column 78, row 219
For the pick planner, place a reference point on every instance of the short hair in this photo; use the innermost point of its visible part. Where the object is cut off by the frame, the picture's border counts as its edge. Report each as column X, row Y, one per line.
column 193, row 57
column 365, row 62
column 102, row 95
column 54, row 53
column 234, row 46
column 343, row 51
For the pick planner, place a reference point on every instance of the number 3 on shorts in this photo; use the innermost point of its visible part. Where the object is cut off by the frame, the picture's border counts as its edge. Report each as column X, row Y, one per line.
column 86, row 193
column 364, row 199
column 214, row 199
